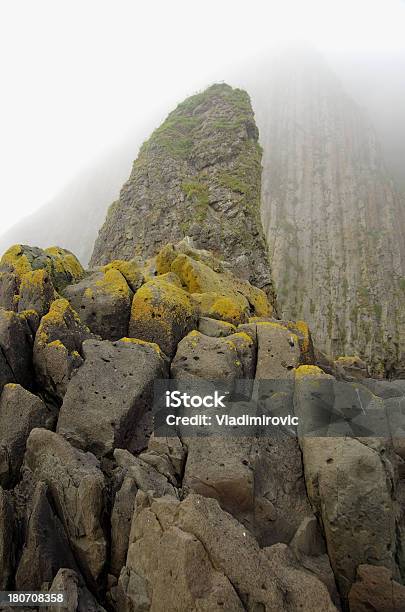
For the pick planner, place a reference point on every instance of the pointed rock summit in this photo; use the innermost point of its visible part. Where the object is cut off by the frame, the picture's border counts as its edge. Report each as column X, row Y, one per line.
column 198, row 175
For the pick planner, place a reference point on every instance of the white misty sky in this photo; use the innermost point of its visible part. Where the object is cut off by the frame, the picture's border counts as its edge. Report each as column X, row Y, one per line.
column 77, row 75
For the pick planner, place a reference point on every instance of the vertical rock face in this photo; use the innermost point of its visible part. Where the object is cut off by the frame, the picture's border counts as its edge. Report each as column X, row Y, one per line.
column 198, row 175
column 333, row 219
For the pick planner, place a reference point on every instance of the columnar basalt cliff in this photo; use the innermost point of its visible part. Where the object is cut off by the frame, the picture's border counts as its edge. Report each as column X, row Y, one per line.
column 333, row 219
column 199, row 176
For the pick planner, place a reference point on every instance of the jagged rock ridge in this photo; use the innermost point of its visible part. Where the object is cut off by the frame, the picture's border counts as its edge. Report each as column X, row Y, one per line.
column 199, row 176
column 92, row 502
column 333, row 219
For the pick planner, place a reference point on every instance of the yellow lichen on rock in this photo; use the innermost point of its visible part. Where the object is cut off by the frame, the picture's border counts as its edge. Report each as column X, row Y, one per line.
column 232, row 309
column 130, row 270
column 151, row 345
column 16, row 260
column 113, row 282
column 162, row 313
column 309, row 371
column 65, row 262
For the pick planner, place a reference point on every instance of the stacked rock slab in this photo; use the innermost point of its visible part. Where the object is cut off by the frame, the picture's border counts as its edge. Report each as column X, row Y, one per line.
column 199, row 176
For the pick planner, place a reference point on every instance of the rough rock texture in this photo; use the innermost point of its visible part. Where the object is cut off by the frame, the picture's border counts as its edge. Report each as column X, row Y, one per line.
column 115, row 385
column 198, row 175
column 76, row 484
column 20, row 412
column 16, row 347
column 124, row 520
column 58, row 347
column 334, row 222
column 217, row 565
column 46, row 548
column 103, row 303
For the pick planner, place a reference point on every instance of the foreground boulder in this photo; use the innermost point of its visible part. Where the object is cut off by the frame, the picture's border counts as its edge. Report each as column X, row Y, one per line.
column 20, row 412
column 46, row 548
column 108, row 402
column 76, row 485
column 78, row 597
column 193, row 555
column 351, row 485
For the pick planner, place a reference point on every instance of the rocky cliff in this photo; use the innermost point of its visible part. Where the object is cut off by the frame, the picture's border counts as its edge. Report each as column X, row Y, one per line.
column 332, row 217
column 95, row 503
column 198, row 175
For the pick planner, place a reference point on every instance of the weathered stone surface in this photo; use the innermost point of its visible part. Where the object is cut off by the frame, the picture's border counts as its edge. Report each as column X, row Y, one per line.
column 215, row 328
column 167, row 456
column 16, row 347
column 58, row 347
column 6, row 541
column 210, row 358
column 351, row 368
column 199, row 176
column 376, row 590
column 9, row 284
column 351, row 484
column 76, row 485
column 62, row 266
column 36, row 292
column 78, row 597
column 222, row 468
column 137, row 475
column 103, row 302
column 108, row 398
column 46, row 548
column 162, row 313
column 278, row 352
column 225, row 567
column 20, row 412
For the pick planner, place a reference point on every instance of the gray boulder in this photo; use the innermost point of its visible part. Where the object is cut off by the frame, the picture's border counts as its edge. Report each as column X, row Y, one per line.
column 78, row 597
column 20, row 412
column 108, row 402
column 6, row 540
column 103, row 302
column 77, row 489
column 46, row 548
column 16, row 347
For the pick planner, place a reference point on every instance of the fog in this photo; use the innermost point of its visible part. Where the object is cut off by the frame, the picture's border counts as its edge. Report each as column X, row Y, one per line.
column 84, row 83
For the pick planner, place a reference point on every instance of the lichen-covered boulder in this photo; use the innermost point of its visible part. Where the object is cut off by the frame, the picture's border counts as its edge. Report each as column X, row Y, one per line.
column 20, row 412
column 57, row 348
column 131, row 270
column 108, row 402
column 162, row 313
column 103, row 302
column 77, row 487
column 278, row 351
column 222, row 291
column 16, row 342
column 62, row 266
column 36, row 292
